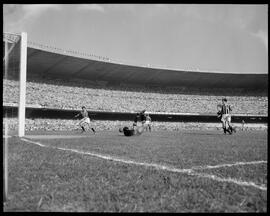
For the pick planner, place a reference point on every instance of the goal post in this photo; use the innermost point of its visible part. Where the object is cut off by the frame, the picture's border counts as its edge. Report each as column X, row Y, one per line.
column 22, row 97
column 15, row 69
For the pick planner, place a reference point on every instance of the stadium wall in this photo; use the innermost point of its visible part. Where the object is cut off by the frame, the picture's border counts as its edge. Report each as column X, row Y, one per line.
column 47, row 113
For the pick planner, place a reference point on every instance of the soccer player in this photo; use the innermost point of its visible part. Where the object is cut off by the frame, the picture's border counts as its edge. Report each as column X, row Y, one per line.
column 139, row 119
column 127, row 131
column 147, row 123
column 136, row 120
column 85, row 120
column 219, row 114
column 243, row 124
column 131, row 131
column 143, row 116
column 226, row 117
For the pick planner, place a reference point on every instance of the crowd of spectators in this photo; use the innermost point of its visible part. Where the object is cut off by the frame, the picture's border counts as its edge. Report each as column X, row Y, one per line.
column 70, row 125
column 72, row 94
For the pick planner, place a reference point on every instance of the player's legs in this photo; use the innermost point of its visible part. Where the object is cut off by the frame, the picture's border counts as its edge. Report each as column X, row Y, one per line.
column 139, row 124
column 230, row 124
column 139, row 129
column 87, row 121
column 81, row 124
column 226, row 118
column 92, row 129
column 228, row 128
column 147, row 125
column 84, row 123
column 223, row 120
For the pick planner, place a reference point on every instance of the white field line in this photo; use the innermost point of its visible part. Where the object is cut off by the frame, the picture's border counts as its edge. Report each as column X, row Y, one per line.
column 37, row 143
column 159, row 167
column 226, row 165
column 231, row 180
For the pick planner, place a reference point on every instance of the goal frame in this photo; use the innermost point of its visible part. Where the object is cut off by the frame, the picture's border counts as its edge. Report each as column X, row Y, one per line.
column 22, row 97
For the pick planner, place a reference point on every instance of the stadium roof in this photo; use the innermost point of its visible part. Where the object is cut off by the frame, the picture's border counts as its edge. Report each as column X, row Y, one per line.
column 45, row 60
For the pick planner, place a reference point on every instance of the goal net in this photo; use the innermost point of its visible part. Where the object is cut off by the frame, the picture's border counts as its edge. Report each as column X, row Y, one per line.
column 14, row 82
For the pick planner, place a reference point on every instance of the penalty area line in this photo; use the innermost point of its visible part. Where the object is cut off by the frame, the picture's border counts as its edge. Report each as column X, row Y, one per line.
column 158, row 166
column 226, row 165
column 231, row 180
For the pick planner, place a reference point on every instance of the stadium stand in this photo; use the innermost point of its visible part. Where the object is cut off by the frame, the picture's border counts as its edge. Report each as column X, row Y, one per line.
column 70, row 125
column 67, row 80
column 71, row 94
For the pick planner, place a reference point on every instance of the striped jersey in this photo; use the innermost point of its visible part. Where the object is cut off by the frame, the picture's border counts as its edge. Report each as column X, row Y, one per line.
column 226, row 109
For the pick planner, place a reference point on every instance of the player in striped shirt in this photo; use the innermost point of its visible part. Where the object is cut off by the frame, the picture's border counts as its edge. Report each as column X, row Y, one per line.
column 85, row 120
column 226, row 117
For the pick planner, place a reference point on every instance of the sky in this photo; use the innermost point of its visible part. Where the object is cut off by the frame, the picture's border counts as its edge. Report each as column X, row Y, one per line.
column 220, row 38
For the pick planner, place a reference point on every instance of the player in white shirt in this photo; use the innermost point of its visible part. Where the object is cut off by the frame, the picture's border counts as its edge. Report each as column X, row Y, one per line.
column 147, row 123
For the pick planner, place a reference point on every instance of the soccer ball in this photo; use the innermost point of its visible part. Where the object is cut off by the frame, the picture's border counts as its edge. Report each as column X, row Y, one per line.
column 121, row 130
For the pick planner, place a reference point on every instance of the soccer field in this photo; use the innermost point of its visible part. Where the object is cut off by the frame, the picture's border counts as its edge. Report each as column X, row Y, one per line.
column 162, row 171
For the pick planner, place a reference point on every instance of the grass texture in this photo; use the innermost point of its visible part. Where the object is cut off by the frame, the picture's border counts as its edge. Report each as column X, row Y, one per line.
column 53, row 180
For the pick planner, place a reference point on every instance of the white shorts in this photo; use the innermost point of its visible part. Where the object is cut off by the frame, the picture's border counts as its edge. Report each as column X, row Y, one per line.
column 226, row 118
column 139, row 124
column 139, row 130
column 85, row 120
column 147, row 122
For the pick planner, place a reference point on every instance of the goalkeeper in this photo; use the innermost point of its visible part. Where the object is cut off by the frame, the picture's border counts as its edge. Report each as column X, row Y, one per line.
column 137, row 130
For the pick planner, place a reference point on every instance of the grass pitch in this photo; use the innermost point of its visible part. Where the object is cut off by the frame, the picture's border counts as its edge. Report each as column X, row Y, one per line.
column 51, row 179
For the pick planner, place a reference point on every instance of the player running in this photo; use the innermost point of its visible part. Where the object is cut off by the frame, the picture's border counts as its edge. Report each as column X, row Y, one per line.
column 85, row 120
column 224, row 115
